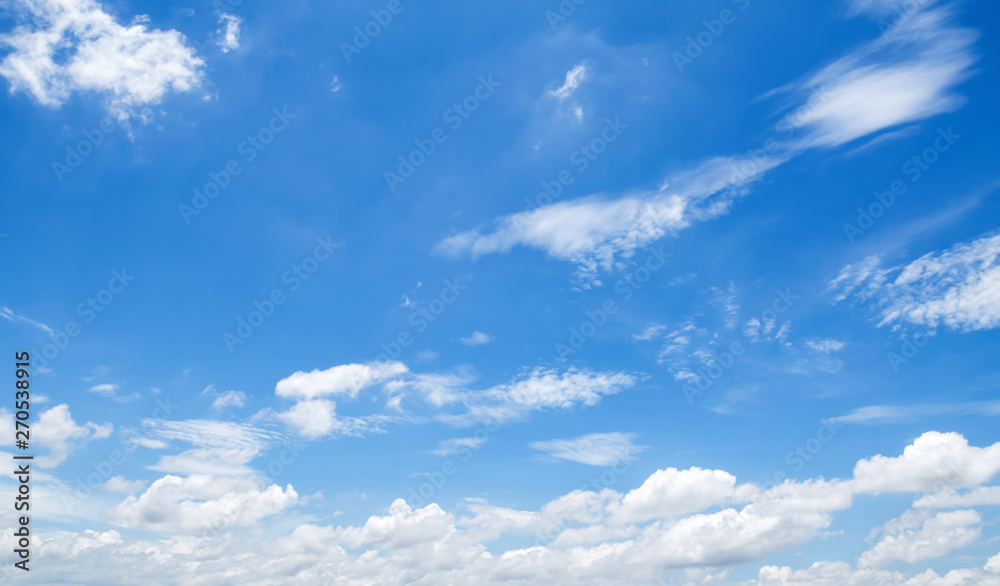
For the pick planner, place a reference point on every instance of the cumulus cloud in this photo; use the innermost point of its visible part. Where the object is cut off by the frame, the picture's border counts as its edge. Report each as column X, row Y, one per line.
column 932, row 461
column 200, row 504
column 594, row 449
column 56, row 431
column 691, row 523
column 939, row 536
column 75, row 46
column 957, row 288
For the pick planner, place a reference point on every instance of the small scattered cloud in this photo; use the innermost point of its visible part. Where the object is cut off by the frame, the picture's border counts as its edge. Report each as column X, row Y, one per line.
column 476, row 339
column 229, row 36
column 458, row 445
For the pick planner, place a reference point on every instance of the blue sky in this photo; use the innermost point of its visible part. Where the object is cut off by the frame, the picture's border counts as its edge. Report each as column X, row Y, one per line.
column 547, row 293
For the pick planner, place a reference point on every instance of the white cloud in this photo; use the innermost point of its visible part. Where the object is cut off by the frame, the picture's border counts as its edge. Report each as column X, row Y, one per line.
column 476, row 339
column 200, row 504
column 993, row 565
column 458, row 445
column 346, row 379
column 650, row 332
column 539, row 389
column 939, row 536
column 593, row 232
column 958, row 288
column 105, row 390
column 912, row 67
column 230, row 399
column 952, row 499
column 311, row 419
column 934, row 460
column 56, row 431
column 574, row 77
column 73, row 45
column 120, row 484
column 825, row 346
column 219, row 447
column 678, row 523
column 880, row 414
column 9, row 315
column 229, row 37
column 594, row 449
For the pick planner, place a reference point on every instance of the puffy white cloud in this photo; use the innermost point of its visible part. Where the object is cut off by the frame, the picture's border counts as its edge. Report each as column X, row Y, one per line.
column 311, row 419
column 958, row 288
column 201, row 503
column 674, row 493
column 73, row 45
column 56, row 431
column 594, row 449
column 224, row 530
column 939, row 536
column 952, row 499
column 346, row 379
column 934, row 461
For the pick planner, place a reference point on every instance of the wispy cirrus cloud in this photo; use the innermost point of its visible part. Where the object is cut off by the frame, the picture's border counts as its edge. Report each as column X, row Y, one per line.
column 594, row 449
column 913, row 67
